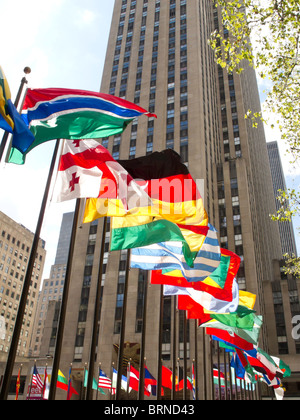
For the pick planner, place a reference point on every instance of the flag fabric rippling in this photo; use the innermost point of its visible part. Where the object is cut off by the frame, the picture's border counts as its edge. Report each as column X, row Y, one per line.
column 56, row 113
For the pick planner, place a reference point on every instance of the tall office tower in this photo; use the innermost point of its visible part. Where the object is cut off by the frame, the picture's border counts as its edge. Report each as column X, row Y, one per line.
column 52, row 288
column 15, row 246
column 287, row 236
column 158, row 56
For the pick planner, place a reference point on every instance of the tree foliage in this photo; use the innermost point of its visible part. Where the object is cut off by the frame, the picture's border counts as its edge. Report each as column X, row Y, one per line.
column 266, row 34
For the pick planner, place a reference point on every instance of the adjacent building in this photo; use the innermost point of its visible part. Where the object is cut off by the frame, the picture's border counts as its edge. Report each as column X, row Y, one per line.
column 52, row 288
column 287, row 236
column 15, row 247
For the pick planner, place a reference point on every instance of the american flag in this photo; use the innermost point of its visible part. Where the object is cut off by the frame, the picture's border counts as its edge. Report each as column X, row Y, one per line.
column 36, row 379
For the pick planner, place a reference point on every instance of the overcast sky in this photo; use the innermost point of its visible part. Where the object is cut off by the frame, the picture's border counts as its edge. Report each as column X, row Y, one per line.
column 64, row 42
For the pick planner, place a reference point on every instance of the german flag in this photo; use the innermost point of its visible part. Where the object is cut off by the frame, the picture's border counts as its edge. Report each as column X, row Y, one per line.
column 174, row 198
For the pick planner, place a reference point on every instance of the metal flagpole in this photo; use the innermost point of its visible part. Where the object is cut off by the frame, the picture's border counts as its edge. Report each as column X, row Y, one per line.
column 212, row 369
column 219, row 372
column 128, row 376
column 174, row 347
column 99, row 368
column 230, row 376
column 123, row 325
column 141, row 393
column 112, row 378
column 204, row 365
column 63, row 311
column 27, row 281
column 27, row 70
column 184, row 356
column 97, row 313
column 30, row 388
column 225, row 374
column 160, row 340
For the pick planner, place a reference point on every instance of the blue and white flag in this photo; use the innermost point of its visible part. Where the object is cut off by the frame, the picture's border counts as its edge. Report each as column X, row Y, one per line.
column 169, row 256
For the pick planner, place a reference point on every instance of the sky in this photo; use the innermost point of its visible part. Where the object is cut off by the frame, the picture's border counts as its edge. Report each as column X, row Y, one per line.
column 64, row 43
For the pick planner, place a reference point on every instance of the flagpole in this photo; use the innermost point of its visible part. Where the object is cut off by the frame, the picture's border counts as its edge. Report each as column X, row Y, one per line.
column 219, row 372
column 30, row 388
column 236, row 386
column 225, row 374
column 99, row 368
column 212, row 369
column 24, row 81
column 97, row 314
column 141, row 394
column 204, row 365
column 230, row 378
column 27, row 281
column 112, row 377
column 128, row 377
column 123, row 325
column 160, row 339
column 185, row 356
column 63, row 311
column 174, row 347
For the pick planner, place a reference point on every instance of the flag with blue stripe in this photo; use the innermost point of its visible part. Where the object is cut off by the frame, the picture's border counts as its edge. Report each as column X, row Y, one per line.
column 169, row 256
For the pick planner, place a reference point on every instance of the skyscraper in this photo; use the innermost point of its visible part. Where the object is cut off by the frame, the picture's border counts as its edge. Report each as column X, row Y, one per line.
column 52, row 288
column 158, row 56
column 286, row 231
column 15, row 246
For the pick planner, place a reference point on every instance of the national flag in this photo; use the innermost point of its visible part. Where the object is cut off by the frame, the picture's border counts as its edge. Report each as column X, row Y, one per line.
column 123, row 381
column 133, row 232
column 285, row 369
column 166, row 378
column 103, row 381
column 36, row 379
column 134, row 380
column 260, row 367
column 95, row 386
column 277, row 385
column 248, row 330
column 18, row 385
column 232, row 340
column 63, row 383
column 174, row 197
column 169, row 255
column 201, row 301
column 150, row 382
column 269, row 362
column 219, row 284
column 218, row 377
column 10, row 119
column 87, row 169
column 189, row 385
column 71, row 114
column 46, row 386
column 249, row 373
column 243, row 369
column 6, row 122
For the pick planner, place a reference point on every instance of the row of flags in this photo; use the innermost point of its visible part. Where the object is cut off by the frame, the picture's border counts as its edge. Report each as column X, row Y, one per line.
column 246, row 367
column 156, row 208
column 129, row 383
